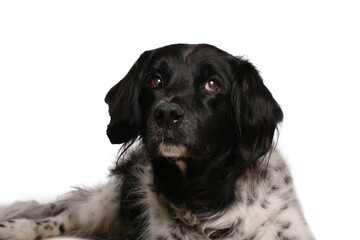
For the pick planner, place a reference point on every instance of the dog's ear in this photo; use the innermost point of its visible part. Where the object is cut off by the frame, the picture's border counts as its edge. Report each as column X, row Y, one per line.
column 256, row 113
column 123, row 101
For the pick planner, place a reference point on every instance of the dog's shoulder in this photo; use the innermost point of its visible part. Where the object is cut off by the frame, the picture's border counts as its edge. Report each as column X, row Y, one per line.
column 267, row 204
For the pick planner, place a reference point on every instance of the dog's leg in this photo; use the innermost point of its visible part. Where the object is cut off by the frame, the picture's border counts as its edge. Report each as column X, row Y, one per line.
column 31, row 229
column 30, row 209
column 83, row 213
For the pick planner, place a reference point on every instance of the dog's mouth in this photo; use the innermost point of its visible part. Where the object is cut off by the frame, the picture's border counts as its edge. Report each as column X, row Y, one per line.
column 172, row 148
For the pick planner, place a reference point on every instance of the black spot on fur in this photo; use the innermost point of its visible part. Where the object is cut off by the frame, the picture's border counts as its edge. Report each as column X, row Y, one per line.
column 286, row 225
column 287, row 180
column 279, row 233
column 11, row 221
column 61, row 228
column 274, row 188
column 264, row 204
column 52, row 206
column 38, row 223
column 3, row 226
column 283, row 208
column 38, row 237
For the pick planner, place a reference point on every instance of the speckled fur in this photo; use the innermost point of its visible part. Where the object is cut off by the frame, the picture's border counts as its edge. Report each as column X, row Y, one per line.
column 266, row 208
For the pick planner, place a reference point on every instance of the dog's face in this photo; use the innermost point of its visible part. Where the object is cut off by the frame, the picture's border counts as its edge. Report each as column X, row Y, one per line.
column 193, row 101
column 185, row 100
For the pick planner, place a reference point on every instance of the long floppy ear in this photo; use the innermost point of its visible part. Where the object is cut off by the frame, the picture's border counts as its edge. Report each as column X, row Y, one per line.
column 123, row 101
column 256, row 112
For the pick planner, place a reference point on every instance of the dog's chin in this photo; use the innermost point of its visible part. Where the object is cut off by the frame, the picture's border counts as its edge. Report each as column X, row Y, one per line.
column 172, row 150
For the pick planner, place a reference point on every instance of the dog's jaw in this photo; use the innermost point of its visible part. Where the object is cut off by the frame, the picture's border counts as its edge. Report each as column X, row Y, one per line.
column 172, row 150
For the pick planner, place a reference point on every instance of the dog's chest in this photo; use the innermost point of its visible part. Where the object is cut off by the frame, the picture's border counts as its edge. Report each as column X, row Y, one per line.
column 164, row 220
column 234, row 224
column 263, row 208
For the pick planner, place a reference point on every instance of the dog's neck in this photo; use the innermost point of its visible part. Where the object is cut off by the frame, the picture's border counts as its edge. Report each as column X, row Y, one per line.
column 191, row 185
column 192, row 193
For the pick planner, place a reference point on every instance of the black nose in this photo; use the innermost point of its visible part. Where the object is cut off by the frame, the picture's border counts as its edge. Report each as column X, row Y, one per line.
column 168, row 115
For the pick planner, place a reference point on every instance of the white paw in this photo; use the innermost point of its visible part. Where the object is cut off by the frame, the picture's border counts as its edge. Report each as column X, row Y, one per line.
column 19, row 229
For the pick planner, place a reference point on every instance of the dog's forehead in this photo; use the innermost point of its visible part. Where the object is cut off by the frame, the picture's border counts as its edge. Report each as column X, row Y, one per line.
column 185, row 51
column 190, row 55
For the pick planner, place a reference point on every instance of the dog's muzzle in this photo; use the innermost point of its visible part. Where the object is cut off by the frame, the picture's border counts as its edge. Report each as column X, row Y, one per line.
column 168, row 116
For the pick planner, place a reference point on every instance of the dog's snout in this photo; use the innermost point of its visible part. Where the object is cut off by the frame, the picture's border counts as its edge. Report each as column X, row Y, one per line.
column 168, row 115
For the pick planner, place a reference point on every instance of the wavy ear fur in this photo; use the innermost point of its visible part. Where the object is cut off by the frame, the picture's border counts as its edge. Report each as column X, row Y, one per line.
column 123, row 101
column 256, row 112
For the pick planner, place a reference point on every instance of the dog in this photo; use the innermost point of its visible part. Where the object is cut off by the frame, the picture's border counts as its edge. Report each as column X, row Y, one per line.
column 198, row 159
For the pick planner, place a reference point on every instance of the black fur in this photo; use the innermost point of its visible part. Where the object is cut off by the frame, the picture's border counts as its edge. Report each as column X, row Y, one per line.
column 224, row 131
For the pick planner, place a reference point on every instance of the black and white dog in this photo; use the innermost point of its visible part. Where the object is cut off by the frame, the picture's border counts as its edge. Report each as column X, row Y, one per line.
column 199, row 162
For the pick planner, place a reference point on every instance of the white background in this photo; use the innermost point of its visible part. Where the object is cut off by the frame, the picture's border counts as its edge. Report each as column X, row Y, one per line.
column 59, row 58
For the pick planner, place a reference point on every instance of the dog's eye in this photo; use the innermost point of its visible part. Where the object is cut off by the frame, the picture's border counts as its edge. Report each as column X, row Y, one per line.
column 156, row 83
column 212, row 86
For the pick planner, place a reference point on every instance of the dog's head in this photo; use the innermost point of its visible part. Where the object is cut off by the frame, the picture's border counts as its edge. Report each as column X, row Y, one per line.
column 193, row 101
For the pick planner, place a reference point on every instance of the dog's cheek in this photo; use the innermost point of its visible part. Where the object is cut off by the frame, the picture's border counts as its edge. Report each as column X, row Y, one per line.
column 151, row 136
column 217, row 130
column 147, row 101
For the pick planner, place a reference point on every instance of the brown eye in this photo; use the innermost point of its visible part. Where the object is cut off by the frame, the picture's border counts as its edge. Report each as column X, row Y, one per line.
column 156, row 83
column 212, row 86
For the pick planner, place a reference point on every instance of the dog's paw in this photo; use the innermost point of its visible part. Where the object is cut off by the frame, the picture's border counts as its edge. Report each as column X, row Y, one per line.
column 27, row 229
column 20, row 229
